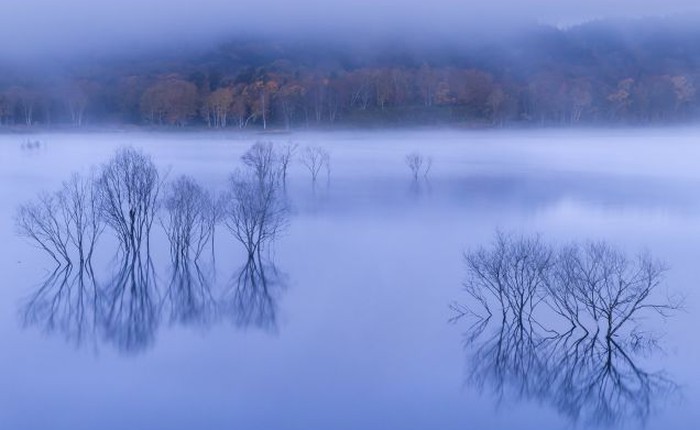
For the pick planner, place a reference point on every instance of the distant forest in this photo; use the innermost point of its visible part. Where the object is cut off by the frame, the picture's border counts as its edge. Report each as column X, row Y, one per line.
column 633, row 72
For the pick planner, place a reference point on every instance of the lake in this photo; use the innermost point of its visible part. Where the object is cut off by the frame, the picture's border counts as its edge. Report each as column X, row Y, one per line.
column 360, row 329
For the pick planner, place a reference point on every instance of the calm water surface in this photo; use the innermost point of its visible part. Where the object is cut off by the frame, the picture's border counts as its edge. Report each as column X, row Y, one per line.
column 365, row 274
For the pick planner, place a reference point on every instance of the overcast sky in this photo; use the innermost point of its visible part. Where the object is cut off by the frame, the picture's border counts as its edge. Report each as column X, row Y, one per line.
column 38, row 26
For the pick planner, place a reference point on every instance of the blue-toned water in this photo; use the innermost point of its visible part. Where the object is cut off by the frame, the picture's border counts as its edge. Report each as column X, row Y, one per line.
column 356, row 331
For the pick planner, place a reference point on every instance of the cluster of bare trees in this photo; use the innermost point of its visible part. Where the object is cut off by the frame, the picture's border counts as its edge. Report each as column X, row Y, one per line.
column 561, row 325
column 126, row 195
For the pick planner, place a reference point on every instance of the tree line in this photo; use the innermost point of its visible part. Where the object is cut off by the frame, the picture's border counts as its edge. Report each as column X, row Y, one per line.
column 582, row 75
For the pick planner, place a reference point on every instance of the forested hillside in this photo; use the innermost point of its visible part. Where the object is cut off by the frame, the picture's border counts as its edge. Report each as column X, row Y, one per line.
column 604, row 72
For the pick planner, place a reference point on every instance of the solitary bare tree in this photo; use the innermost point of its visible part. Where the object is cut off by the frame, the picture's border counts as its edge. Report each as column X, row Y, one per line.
column 285, row 158
column 315, row 158
column 414, row 161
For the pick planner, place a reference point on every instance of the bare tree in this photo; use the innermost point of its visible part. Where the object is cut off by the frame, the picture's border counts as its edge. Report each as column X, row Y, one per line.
column 79, row 202
column 63, row 223
column 428, row 166
column 190, row 218
column 414, row 161
column 285, row 158
column 262, row 160
column 315, row 158
column 255, row 210
column 41, row 222
column 128, row 187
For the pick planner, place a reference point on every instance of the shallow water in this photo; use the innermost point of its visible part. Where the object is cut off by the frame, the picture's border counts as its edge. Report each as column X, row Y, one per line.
column 370, row 264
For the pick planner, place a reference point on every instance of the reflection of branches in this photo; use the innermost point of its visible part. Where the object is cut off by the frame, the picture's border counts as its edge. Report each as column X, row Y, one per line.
column 189, row 298
column 253, row 301
column 584, row 367
column 130, row 312
column 66, row 303
column 586, row 378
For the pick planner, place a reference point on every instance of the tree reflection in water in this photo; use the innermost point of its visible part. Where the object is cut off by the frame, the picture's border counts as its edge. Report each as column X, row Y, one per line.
column 562, row 327
column 252, row 300
column 66, row 303
column 127, row 310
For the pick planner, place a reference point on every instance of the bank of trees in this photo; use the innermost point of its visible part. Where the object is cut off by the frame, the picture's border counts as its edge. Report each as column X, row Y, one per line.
column 555, row 77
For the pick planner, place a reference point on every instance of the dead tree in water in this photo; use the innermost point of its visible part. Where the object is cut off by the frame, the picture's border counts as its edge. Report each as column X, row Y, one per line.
column 414, row 161
column 285, row 159
column 128, row 187
column 255, row 210
column 64, row 223
column 79, row 205
column 262, row 159
column 41, row 223
column 314, row 158
column 190, row 218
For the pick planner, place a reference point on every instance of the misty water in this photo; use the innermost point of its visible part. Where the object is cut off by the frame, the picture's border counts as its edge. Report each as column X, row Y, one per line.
column 360, row 327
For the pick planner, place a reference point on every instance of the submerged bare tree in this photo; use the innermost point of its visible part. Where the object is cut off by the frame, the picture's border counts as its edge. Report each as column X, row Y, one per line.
column 418, row 164
column 567, row 325
column 512, row 273
column 40, row 222
column 79, row 202
column 428, row 166
column 65, row 224
column 191, row 216
column 128, row 187
column 286, row 156
column 255, row 210
column 262, row 159
column 315, row 158
column 414, row 161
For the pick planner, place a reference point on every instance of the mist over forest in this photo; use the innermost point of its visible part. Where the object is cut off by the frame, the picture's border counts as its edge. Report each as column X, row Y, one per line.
column 602, row 72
